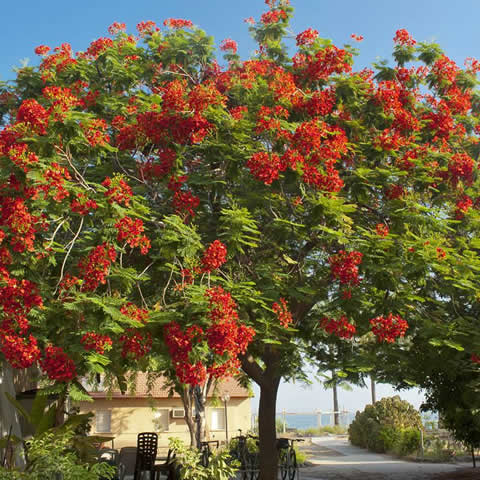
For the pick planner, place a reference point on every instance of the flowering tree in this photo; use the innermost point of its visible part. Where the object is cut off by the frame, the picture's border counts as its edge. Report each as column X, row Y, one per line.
column 157, row 204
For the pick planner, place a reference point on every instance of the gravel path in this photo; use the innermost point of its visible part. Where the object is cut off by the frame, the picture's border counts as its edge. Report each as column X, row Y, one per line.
column 333, row 458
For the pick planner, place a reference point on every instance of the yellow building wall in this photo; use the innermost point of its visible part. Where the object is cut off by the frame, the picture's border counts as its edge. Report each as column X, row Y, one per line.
column 131, row 416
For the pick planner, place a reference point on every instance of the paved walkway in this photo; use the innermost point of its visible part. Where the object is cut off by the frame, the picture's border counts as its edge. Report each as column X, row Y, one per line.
column 333, row 458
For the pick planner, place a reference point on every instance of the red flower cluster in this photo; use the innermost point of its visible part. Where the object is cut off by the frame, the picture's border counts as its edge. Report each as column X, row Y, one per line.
column 307, row 37
column 461, row 167
column 475, row 358
column 42, row 50
column 94, row 268
column 130, row 231
column 320, row 103
column 265, row 167
column 179, row 345
column 95, row 341
column 464, row 204
column 62, row 100
column 97, row 47
column 357, row 38
column 225, row 336
column 54, row 181
column 382, row 230
column 95, row 132
column 177, row 23
column 215, row 256
column 342, row 328
column 135, row 344
column 15, row 216
column 19, row 351
column 229, row 45
column 324, row 63
column 134, row 312
column 282, row 312
column 32, row 114
column 149, row 26
column 388, row 328
column 183, row 202
column 154, row 169
column 402, row 37
column 58, row 365
column 116, row 27
column 82, row 204
column 344, row 267
column 273, row 16
column 118, row 190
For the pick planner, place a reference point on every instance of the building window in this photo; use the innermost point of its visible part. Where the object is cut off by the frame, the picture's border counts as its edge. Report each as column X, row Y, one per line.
column 103, row 420
column 160, row 419
column 217, row 416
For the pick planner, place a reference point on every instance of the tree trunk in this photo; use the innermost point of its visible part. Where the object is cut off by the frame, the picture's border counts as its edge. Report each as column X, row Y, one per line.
column 336, row 414
column 268, row 380
column 187, row 400
column 266, row 428
column 473, row 458
column 200, row 399
column 372, row 388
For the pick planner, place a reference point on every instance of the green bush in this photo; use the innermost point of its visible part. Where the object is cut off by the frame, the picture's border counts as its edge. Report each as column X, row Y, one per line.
column 389, row 425
column 50, row 456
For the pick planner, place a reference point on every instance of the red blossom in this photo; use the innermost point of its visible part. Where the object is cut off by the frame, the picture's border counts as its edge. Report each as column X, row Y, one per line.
column 382, row 230
column 135, row 313
column 146, row 27
column 229, row 45
column 307, row 37
column 135, row 344
column 344, row 267
column 32, row 114
column 342, row 328
column 95, row 267
column 118, row 191
column 402, row 37
column 82, row 204
column 58, row 365
column 273, row 16
column 265, row 167
column 130, row 231
column 215, row 256
column 177, row 23
column 389, row 328
column 42, row 50
column 464, row 203
column 20, row 352
column 475, row 358
column 282, row 312
column 116, row 27
column 95, row 341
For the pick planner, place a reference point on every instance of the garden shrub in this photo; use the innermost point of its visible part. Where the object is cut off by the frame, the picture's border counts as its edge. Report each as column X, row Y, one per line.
column 389, row 425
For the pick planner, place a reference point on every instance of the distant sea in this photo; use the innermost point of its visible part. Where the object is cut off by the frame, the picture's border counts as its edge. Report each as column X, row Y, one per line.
column 302, row 421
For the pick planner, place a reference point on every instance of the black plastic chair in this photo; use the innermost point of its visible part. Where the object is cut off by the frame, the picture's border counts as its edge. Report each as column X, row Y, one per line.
column 168, row 467
column 147, row 443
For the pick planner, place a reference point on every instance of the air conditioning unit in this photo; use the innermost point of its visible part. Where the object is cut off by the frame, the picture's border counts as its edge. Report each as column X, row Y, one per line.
column 178, row 413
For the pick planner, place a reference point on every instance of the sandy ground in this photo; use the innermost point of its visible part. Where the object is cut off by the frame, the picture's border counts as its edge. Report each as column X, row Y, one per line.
column 333, row 458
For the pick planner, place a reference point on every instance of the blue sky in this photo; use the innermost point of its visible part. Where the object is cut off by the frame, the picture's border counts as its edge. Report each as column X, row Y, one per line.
column 28, row 23
column 453, row 24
